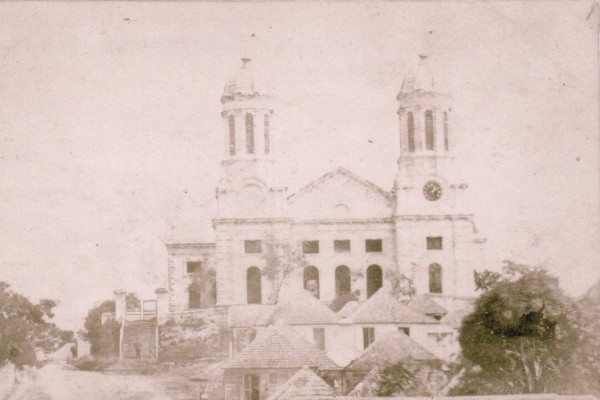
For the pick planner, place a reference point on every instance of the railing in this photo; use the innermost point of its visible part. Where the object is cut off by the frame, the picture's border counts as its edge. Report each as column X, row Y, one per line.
column 146, row 312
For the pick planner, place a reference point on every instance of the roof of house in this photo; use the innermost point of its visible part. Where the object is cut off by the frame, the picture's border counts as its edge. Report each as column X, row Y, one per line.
column 304, row 384
column 299, row 308
column 382, row 307
column 455, row 318
column 389, row 350
column 245, row 316
column 279, row 347
column 348, row 309
column 426, row 305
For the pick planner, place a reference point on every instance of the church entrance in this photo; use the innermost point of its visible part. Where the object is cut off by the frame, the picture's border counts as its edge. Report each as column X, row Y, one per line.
column 253, row 286
column 374, row 279
column 202, row 292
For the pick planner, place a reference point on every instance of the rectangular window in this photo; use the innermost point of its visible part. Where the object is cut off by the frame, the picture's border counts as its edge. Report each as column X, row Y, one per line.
column 253, row 246
column 231, row 135
column 319, row 337
column 373, row 246
column 193, row 267
column 434, row 243
column 249, row 133
column 310, row 247
column 251, row 387
column 405, row 330
column 341, row 246
column 368, row 336
column 267, row 136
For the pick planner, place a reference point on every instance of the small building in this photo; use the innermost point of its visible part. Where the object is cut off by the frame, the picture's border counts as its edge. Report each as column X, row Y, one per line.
column 270, row 360
column 383, row 313
column 422, row 366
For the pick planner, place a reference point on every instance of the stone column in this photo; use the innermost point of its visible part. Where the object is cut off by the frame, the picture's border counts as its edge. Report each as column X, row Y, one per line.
column 119, row 304
column 162, row 305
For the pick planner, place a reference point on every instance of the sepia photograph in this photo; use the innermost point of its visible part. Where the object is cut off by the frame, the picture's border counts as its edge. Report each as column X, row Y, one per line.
column 252, row 200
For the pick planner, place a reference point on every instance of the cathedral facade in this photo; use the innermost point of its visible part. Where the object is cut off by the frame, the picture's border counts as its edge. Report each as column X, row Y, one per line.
column 340, row 233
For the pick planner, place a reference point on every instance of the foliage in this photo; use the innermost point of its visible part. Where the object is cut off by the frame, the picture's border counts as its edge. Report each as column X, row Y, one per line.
column 103, row 338
column 402, row 285
column 281, row 260
column 521, row 334
column 394, row 380
column 132, row 302
column 24, row 327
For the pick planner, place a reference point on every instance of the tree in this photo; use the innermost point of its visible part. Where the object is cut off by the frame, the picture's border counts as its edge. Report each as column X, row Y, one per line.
column 24, row 327
column 402, row 285
column 103, row 337
column 281, row 260
column 521, row 335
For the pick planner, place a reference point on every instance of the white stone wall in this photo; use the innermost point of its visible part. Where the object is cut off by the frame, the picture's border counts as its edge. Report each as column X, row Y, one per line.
column 178, row 278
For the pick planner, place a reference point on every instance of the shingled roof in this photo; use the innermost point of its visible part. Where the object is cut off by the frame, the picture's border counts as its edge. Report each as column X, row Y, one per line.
column 279, row 347
column 382, row 307
column 245, row 316
column 299, row 308
column 389, row 350
column 304, row 384
column 455, row 317
column 426, row 305
column 348, row 309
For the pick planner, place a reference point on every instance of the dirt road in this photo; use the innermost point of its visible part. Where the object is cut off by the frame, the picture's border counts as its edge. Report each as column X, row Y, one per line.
column 63, row 382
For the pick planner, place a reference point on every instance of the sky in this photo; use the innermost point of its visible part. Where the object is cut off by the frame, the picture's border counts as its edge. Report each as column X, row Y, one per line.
column 111, row 134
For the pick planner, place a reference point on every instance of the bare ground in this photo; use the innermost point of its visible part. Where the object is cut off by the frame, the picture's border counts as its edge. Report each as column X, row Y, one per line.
column 63, row 382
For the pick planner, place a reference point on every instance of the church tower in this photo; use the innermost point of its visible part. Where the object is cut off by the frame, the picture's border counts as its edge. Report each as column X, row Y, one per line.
column 249, row 184
column 435, row 237
column 250, row 194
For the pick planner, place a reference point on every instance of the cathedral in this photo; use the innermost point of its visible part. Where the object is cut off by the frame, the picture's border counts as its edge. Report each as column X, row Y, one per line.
column 339, row 234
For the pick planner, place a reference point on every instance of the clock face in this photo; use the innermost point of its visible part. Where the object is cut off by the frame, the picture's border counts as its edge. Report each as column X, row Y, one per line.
column 432, row 191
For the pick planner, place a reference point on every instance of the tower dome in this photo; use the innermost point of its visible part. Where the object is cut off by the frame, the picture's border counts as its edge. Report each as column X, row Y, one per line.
column 418, row 80
column 241, row 86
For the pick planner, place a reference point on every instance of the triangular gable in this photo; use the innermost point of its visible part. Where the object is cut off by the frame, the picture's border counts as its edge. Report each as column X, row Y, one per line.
column 304, row 384
column 383, row 308
column 340, row 194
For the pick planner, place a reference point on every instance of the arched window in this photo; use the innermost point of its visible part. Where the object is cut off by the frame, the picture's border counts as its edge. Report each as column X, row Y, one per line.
column 429, row 134
column 194, row 296
column 311, row 280
column 342, row 281
column 253, row 286
column 267, row 136
column 231, row 135
column 446, row 131
column 374, row 279
column 410, row 126
column 435, row 278
column 249, row 133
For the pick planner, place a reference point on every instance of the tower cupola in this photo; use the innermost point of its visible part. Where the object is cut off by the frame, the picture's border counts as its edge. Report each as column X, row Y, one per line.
column 423, row 112
column 247, row 116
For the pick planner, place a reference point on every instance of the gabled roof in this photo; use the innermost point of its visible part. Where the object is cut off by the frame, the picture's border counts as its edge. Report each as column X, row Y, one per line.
column 426, row 305
column 300, row 308
column 382, row 308
column 277, row 347
column 455, row 318
column 245, row 316
column 389, row 350
column 342, row 171
column 304, row 384
column 348, row 309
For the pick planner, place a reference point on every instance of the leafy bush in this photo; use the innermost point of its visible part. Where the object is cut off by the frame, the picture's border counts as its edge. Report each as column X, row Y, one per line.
column 92, row 364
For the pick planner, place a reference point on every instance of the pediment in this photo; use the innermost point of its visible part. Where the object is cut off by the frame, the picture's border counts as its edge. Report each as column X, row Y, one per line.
column 341, row 195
